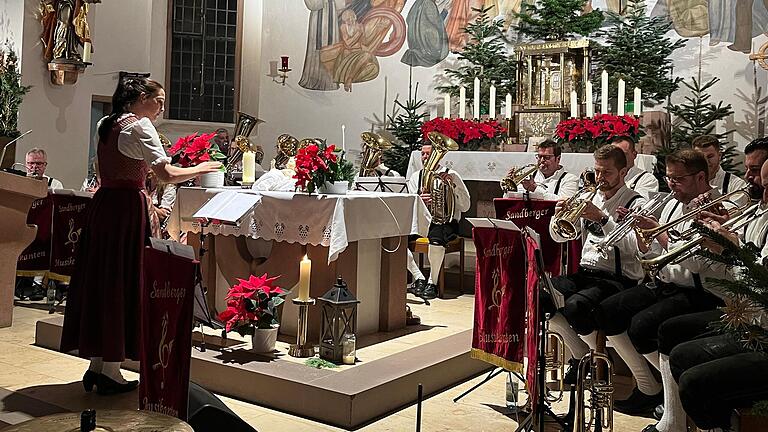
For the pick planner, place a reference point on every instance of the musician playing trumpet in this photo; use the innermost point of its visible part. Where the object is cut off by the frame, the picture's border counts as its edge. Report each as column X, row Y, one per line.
column 599, row 275
column 551, row 180
column 639, row 180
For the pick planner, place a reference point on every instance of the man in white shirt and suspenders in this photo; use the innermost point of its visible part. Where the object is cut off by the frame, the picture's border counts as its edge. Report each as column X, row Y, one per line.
column 639, row 180
column 719, row 179
column 551, row 181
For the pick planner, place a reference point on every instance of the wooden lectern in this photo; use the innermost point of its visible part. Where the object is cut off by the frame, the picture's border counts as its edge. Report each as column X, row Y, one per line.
column 16, row 196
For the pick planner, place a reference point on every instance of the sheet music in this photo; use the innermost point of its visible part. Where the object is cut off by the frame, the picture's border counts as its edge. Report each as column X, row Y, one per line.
column 493, row 223
column 174, row 247
column 228, row 206
column 72, row 192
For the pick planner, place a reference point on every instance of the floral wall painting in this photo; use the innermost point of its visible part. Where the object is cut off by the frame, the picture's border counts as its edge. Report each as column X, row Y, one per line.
column 345, row 39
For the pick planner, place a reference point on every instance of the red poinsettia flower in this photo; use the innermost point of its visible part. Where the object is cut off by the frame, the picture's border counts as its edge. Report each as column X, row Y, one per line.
column 252, row 302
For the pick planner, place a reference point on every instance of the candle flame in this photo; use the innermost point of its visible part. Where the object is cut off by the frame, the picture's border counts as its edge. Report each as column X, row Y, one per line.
column 305, row 258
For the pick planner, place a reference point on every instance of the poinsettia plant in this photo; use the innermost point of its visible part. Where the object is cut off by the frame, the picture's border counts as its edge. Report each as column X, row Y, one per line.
column 252, row 303
column 195, row 149
column 468, row 134
column 318, row 164
column 587, row 134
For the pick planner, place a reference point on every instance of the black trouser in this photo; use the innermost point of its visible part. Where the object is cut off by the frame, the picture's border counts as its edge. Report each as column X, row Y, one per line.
column 716, row 375
column 640, row 310
column 684, row 328
column 583, row 292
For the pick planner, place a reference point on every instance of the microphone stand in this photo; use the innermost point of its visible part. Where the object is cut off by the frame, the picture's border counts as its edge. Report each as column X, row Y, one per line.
column 8, row 144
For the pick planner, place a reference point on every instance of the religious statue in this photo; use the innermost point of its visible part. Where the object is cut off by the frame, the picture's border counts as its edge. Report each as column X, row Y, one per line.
column 65, row 28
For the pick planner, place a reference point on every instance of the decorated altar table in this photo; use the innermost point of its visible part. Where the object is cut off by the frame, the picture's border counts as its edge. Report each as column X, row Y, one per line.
column 343, row 234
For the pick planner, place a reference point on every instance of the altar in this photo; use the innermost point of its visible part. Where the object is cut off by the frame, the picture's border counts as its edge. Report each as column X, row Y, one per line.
column 361, row 236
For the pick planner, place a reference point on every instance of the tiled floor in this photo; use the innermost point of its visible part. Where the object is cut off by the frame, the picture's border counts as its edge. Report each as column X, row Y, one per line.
column 54, row 378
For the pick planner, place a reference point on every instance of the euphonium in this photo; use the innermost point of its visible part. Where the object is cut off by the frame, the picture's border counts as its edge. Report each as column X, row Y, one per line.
column 594, row 413
column 567, row 218
column 286, row 147
column 443, row 200
column 516, row 176
column 374, row 146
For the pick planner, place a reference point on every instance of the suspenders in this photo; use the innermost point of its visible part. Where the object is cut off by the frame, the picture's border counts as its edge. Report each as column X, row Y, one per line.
column 637, row 179
column 616, row 253
column 696, row 278
column 726, row 182
column 557, row 186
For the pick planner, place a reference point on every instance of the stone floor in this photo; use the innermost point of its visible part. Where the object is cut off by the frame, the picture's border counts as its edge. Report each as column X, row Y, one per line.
column 53, row 379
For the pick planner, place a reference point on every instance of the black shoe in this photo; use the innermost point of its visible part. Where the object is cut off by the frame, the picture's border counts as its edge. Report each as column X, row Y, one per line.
column 658, row 412
column 107, row 386
column 650, row 428
column 638, row 404
column 429, row 292
column 89, row 380
column 417, row 287
column 572, row 375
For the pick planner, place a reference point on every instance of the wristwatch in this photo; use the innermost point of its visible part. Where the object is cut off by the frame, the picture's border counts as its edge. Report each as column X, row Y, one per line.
column 603, row 220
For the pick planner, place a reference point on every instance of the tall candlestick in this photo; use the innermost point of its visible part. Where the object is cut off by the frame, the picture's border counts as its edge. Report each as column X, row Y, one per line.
column 476, row 99
column 638, row 102
column 447, row 107
column 249, row 167
column 86, row 52
column 508, row 107
column 590, row 104
column 604, row 92
column 462, row 102
column 305, row 271
column 574, row 104
column 622, row 94
column 343, row 138
column 492, row 104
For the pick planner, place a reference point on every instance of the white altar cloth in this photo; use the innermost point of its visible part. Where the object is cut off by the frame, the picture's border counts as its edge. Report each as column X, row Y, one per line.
column 333, row 221
column 492, row 166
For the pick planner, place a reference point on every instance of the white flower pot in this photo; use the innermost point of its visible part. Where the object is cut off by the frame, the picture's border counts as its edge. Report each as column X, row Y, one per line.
column 263, row 340
column 335, row 188
column 212, row 180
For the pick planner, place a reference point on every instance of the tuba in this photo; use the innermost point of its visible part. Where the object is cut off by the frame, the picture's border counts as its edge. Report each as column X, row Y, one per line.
column 286, row 147
column 374, row 146
column 517, row 175
column 567, row 218
column 443, row 201
column 596, row 412
column 243, row 127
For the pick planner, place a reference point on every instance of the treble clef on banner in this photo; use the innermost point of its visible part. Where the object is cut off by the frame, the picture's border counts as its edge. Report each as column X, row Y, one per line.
column 163, row 350
column 74, row 235
column 497, row 293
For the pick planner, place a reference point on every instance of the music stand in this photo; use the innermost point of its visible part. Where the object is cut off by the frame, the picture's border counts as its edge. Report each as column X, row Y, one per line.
column 382, row 184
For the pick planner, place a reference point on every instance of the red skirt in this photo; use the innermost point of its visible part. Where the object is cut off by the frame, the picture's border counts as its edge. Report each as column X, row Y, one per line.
column 102, row 317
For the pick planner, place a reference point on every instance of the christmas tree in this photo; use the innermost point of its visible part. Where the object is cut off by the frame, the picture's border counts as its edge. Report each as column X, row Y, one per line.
column 638, row 51
column 557, row 19
column 486, row 57
column 406, row 127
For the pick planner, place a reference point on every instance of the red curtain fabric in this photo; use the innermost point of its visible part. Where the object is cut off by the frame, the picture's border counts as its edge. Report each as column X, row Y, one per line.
column 166, row 332
column 499, row 322
column 532, row 330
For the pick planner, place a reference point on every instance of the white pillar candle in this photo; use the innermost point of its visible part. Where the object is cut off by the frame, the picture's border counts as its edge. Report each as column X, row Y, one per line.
column 604, row 92
column 590, row 104
column 638, row 102
column 462, row 102
column 508, row 107
column 272, row 68
column 343, row 138
column 476, row 99
column 249, row 167
column 574, row 104
column 87, row 52
column 492, row 104
column 305, row 271
column 622, row 94
column 447, row 106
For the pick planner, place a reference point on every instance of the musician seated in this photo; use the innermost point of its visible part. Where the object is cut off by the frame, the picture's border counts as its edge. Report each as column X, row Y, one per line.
column 384, row 171
column 599, row 275
column 631, row 318
column 641, row 181
column 37, row 163
column 440, row 234
column 551, row 180
column 719, row 179
column 683, row 328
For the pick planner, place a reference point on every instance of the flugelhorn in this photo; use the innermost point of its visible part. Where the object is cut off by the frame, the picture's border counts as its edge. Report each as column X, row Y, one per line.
column 374, row 146
column 566, row 218
column 646, row 236
column 594, row 413
column 626, row 226
column 443, row 200
column 516, row 175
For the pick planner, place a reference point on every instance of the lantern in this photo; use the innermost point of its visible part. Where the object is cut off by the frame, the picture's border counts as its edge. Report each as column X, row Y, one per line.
column 339, row 317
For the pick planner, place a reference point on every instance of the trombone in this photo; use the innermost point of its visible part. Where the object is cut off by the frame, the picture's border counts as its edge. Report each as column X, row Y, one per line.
column 626, row 226
column 646, row 236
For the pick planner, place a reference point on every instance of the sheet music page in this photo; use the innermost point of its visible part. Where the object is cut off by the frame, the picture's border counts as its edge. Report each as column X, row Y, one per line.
column 228, row 206
column 175, row 248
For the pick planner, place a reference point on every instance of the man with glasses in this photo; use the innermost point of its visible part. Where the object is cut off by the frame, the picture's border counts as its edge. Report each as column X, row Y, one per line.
column 631, row 318
column 639, row 180
column 37, row 162
column 720, row 179
column 551, row 180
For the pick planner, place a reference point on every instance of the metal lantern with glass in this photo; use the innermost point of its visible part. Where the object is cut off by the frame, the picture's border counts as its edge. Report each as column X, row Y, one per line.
column 339, row 318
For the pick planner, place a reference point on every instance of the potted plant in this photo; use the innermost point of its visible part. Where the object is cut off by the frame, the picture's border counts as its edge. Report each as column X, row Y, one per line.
column 468, row 134
column 252, row 310
column 197, row 148
column 323, row 168
column 587, row 134
column 11, row 95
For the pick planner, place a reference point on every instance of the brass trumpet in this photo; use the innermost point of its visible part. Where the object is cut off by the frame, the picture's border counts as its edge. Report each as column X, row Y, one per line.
column 646, row 236
column 626, row 226
column 594, row 413
column 567, row 217
column 516, row 175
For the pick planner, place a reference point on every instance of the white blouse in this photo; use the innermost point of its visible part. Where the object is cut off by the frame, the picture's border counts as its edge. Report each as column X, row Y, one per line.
column 140, row 140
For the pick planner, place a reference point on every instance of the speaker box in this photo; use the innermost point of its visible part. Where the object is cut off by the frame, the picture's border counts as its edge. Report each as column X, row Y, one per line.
column 207, row 413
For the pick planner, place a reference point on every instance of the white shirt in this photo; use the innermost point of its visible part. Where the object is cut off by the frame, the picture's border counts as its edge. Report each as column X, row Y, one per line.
column 139, row 140
column 460, row 192
column 757, row 230
column 385, row 171
column 52, row 183
column 734, row 182
column 627, row 247
column 641, row 181
column 547, row 188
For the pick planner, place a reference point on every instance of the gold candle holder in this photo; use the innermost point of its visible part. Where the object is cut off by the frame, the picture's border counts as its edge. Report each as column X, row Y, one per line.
column 301, row 348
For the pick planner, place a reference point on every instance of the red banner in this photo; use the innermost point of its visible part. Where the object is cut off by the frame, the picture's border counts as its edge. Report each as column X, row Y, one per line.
column 536, row 215
column 532, row 329
column 37, row 256
column 497, row 336
column 166, row 332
